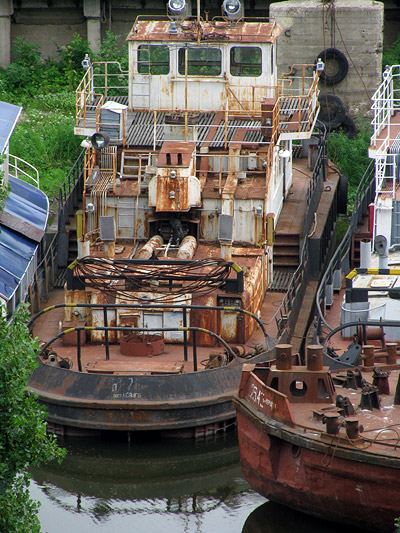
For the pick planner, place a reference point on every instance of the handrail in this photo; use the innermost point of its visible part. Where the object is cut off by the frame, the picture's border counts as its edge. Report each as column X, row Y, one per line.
column 152, row 306
column 364, row 189
column 185, row 329
column 19, row 170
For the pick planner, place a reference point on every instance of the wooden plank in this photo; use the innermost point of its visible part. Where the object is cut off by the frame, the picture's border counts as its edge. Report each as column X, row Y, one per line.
column 153, row 367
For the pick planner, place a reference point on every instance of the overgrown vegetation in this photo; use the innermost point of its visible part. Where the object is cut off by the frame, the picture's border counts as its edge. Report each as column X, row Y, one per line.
column 391, row 54
column 351, row 155
column 46, row 90
column 23, row 438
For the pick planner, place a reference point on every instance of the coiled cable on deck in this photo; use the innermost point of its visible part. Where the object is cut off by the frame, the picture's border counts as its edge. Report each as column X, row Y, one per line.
column 122, row 278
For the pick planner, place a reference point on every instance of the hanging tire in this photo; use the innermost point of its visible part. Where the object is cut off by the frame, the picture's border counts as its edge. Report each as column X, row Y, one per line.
column 348, row 127
column 342, row 66
column 332, row 110
column 343, row 187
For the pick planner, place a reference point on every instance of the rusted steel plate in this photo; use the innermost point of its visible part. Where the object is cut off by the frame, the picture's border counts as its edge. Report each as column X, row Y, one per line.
column 218, row 31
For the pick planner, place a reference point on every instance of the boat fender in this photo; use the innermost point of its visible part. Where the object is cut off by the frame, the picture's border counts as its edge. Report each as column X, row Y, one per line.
column 332, row 111
column 65, row 363
column 348, row 127
column 342, row 66
column 342, row 194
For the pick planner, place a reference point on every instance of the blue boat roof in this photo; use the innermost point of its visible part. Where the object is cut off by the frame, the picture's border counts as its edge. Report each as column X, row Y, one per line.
column 26, row 206
column 9, row 115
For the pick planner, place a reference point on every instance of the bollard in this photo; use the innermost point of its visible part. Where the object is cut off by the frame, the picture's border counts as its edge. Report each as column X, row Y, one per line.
column 332, row 423
column 314, row 357
column 391, row 348
column 368, row 356
column 283, row 356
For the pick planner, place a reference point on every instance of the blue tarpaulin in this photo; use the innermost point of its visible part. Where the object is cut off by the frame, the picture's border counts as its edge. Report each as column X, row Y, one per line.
column 9, row 115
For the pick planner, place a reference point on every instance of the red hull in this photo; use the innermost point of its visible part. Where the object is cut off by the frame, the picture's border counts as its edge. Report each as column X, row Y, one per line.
column 310, row 472
column 365, row 496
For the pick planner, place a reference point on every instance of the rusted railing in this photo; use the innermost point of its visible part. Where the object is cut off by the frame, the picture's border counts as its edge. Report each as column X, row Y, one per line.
column 340, row 261
column 184, row 328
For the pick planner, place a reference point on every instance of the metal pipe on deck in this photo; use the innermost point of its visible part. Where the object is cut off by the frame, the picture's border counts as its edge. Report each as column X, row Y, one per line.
column 187, row 248
column 147, row 250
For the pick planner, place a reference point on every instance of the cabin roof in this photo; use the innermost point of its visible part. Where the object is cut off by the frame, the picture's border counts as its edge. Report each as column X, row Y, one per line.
column 213, row 31
column 9, row 115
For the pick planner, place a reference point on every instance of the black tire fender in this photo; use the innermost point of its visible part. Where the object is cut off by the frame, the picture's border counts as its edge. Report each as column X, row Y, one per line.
column 342, row 66
column 332, row 110
column 343, row 187
column 348, row 127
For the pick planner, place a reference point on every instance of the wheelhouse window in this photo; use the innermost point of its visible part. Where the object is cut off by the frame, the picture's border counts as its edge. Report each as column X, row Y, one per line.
column 153, row 59
column 200, row 61
column 246, row 61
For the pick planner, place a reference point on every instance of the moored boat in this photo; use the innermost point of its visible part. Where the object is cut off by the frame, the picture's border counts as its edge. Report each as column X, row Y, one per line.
column 326, row 441
column 323, row 443
column 201, row 194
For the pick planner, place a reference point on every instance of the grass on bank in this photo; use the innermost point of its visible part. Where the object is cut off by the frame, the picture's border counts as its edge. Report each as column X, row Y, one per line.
column 44, row 137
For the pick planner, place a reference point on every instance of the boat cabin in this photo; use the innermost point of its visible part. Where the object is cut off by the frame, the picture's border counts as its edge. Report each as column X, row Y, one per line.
column 189, row 157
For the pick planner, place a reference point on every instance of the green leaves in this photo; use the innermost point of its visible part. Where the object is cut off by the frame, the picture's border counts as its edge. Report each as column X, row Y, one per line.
column 23, row 438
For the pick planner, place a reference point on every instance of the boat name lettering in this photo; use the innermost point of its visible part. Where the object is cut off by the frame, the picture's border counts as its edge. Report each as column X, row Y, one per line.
column 258, row 397
column 132, row 395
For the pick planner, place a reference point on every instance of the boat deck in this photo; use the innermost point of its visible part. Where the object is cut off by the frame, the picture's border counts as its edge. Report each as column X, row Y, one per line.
column 291, row 220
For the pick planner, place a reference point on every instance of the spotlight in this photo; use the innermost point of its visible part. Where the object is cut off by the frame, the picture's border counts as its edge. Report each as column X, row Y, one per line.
column 177, row 9
column 233, row 9
column 100, row 140
column 86, row 62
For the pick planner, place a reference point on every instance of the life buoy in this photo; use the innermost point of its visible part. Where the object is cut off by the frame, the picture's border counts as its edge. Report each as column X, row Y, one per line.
column 332, row 110
column 342, row 66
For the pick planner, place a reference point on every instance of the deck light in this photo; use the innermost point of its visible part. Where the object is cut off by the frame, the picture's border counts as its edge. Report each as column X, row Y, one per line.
column 90, row 208
column 177, row 9
column 100, row 140
column 232, row 9
column 320, row 65
column 86, row 62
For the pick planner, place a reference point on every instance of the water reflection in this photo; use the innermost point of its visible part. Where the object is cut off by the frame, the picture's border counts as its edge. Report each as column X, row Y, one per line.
column 160, row 487
column 274, row 518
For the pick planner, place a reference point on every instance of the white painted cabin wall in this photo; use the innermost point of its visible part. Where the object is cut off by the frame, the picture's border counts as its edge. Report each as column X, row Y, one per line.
column 204, row 93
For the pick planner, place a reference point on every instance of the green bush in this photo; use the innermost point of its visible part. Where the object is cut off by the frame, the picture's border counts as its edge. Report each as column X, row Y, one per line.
column 23, row 438
column 351, row 155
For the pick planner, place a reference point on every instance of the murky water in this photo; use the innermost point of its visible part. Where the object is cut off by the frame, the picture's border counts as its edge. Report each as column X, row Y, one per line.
column 161, row 487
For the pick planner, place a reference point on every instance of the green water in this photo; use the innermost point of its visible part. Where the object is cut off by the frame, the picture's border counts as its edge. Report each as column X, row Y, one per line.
column 158, row 486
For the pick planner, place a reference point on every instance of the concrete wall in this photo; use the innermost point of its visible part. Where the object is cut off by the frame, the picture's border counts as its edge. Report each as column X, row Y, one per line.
column 353, row 27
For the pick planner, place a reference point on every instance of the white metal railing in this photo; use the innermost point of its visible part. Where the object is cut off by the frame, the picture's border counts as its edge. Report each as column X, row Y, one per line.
column 23, row 170
column 385, row 102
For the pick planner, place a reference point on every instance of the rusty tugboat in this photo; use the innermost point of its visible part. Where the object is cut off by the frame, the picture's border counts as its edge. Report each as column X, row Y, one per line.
column 202, row 188
column 327, row 442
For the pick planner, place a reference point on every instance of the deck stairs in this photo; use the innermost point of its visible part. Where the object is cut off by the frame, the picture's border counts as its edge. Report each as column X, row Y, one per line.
column 286, row 259
column 131, row 161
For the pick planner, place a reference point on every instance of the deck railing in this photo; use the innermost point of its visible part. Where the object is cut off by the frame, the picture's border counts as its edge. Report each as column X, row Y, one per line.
column 385, row 102
column 340, row 261
column 23, row 170
column 296, row 96
column 185, row 309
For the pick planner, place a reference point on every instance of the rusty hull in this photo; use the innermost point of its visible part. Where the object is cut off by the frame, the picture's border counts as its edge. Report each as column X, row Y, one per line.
column 137, row 402
column 288, row 457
